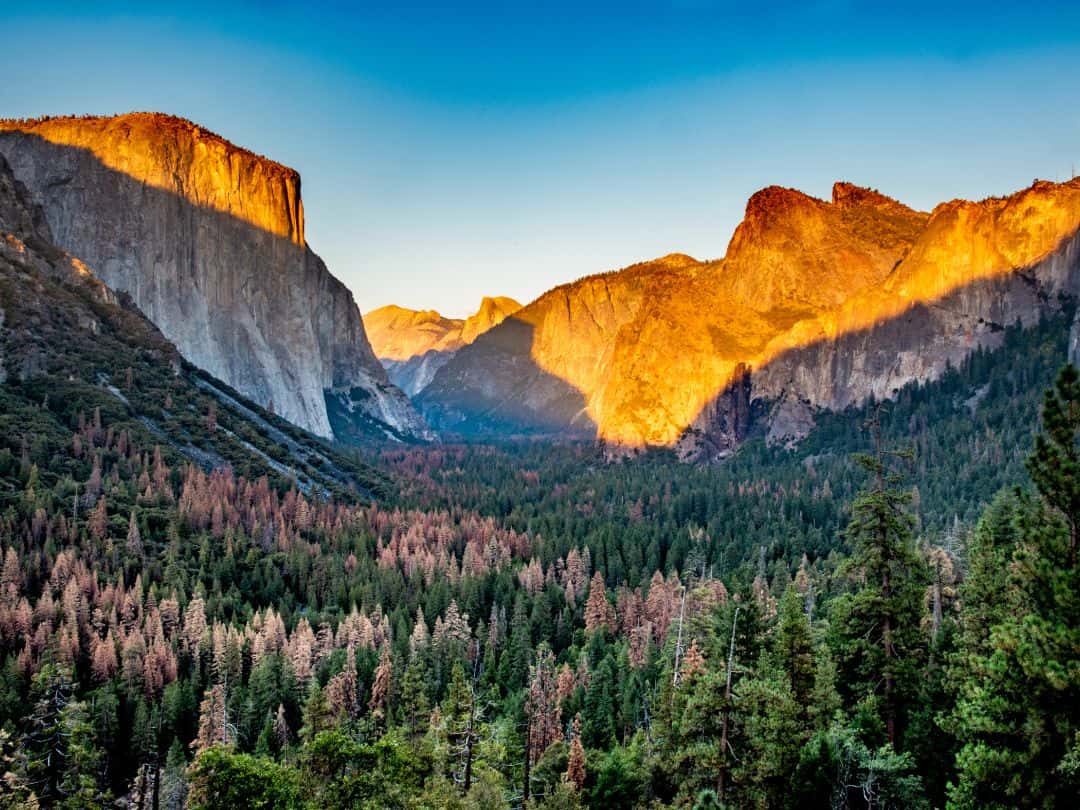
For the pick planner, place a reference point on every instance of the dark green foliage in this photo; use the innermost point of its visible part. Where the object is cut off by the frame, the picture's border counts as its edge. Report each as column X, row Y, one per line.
column 1017, row 674
column 1055, row 464
column 790, row 574
column 220, row 778
column 878, row 640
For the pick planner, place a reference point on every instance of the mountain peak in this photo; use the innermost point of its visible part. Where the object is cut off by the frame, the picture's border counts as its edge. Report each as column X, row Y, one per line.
column 162, row 123
column 159, row 150
column 773, row 201
column 412, row 344
column 208, row 238
column 492, row 312
column 794, row 253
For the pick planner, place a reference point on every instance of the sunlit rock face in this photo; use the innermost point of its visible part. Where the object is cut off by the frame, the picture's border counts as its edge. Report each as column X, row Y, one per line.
column 492, row 312
column 818, row 304
column 793, row 254
column 544, row 368
column 208, row 239
column 414, row 344
column 975, row 269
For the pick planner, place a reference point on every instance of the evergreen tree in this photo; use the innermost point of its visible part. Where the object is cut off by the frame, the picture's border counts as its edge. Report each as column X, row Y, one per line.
column 174, row 785
column 1018, row 711
column 45, row 743
column 415, row 708
column 318, row 715
column 599, row 724
column 380, row 687
column 514, row 665
column 1055, row 464
column 878, row 638
column 575, row 764
column 793, row 648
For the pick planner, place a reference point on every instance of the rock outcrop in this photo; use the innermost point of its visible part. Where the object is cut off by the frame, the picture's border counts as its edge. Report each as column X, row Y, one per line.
column 208, row 240
column 816, row 305
column 71, row 347
column 414, row 344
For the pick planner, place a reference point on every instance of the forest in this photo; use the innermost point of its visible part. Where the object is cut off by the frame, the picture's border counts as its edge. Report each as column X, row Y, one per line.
column 886, row 615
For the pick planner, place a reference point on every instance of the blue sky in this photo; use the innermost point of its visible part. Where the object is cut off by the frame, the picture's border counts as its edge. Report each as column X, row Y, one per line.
column 500, row 149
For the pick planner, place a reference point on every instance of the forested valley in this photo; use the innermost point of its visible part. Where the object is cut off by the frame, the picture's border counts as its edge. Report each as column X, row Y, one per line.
column 886, row 615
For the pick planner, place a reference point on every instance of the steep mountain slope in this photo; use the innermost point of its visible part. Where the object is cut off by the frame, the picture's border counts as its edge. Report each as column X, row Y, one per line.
column 535, row 371
column 816, row 305
column 208, row 239
column 74, row 351
column 414, row 344
column 793, row 253
column 492, row 312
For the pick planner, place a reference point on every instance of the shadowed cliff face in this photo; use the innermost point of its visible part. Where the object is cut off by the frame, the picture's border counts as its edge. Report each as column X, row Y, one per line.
column 414, row 344
column 208, row 239
column 472, row 398
column 70, row 345
column 817, row 305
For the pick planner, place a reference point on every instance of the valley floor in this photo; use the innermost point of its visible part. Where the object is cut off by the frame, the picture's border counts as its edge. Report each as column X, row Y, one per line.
column 511, row 625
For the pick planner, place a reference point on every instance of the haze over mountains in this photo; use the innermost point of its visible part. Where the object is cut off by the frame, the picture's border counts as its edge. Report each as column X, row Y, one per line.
column 816, row 305
column 414, row 344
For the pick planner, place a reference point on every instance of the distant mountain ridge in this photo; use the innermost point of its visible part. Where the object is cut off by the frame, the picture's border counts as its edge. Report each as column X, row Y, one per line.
column 816, row 305
column 208, row 239
column 414, row 344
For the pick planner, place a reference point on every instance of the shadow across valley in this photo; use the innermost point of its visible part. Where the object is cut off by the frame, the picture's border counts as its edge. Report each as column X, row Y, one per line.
column 715, row 390
column 779, row 397
column 493, row 386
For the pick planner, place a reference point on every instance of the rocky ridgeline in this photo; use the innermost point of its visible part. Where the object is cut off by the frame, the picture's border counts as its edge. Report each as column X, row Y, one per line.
column 414, row 344
column 208, row 239
column 817, row 305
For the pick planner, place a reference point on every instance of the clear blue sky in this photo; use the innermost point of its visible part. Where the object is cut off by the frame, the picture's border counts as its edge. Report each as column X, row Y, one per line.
column 497, row 148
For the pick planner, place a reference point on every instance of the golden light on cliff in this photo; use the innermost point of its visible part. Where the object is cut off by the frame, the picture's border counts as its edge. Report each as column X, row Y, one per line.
column 680, row 347
column 648, row 349
column 196, row 164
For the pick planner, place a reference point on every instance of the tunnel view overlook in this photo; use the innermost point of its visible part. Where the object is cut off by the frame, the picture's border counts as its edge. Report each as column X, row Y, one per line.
column 683, row 410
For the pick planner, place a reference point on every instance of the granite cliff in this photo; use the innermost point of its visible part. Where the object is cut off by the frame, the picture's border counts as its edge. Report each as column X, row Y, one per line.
column 72, row 349
column 816, row 305
column 414, row 344
column 208, row 240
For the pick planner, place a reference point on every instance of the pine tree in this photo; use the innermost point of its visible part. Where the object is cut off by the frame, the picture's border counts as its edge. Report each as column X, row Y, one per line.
column 879, row 641
column 460, row 714
column 214, row 728
column 598, row 612
column 693, row 662
column 1055, row 464
column 318, row 716
column 514, row 665
column 575, row 763
column 415, row 706
column 98, row 522
column 1018, row 709
column 793, row 647
column 134, row 537
column 282, row 734
column 541, row 704
column 60, row 756
column 599, row 716
column 769, row 735
column 380, row 687
column 342, row 691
